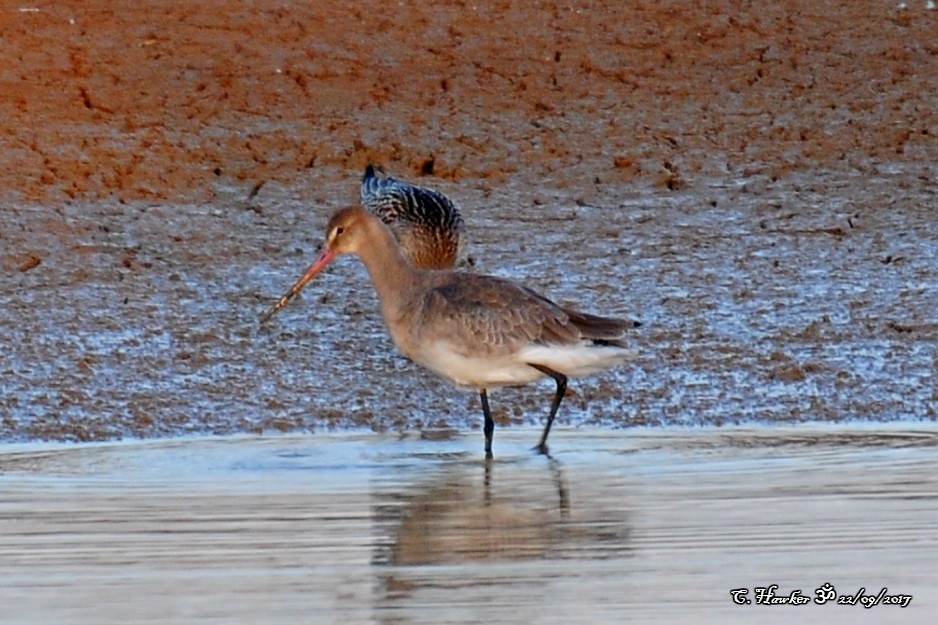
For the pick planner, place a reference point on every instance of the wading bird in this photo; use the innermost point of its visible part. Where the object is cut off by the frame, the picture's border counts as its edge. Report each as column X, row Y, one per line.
column 427, row 225
column 476, row 331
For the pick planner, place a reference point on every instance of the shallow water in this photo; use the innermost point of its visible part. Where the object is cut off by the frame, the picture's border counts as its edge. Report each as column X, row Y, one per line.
column 641, row 526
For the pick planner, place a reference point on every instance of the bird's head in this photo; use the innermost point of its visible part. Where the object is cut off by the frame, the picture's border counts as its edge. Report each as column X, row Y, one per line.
column 346, row 234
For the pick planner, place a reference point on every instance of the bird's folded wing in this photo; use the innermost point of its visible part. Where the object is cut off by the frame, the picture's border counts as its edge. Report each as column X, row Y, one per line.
column 491, row 315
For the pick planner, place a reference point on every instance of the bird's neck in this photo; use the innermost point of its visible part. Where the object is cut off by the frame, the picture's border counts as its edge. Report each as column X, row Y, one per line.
column 394, row 279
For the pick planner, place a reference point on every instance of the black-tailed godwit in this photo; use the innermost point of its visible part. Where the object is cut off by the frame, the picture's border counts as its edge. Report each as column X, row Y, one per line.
column 426, row 223
column 474, row 330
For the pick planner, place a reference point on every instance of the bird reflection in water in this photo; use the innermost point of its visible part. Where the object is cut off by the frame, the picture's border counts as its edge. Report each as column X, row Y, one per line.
column 476, row 539
column 507, row 512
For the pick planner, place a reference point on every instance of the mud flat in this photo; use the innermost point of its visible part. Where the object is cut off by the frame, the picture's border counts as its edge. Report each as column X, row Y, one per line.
column 655, row 525
column 755, row 183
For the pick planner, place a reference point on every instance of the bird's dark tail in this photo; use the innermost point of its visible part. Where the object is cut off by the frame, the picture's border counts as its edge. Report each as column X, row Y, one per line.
column 606, row 330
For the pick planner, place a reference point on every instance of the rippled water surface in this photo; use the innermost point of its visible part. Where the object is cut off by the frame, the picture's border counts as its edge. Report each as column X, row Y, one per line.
column 642, row 526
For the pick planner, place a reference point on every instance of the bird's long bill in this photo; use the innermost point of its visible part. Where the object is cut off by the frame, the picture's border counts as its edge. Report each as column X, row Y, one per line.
column 324, row 259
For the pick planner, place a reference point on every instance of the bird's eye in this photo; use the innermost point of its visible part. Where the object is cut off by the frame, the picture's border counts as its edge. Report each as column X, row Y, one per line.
column 339, row 230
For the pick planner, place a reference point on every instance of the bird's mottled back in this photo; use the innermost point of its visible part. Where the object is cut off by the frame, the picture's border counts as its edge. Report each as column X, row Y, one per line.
column 425, row 222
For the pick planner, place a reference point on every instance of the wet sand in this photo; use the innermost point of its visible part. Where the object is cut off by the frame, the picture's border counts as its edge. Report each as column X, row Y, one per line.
column 653, row 526
column 753, row 312
column 755, row 183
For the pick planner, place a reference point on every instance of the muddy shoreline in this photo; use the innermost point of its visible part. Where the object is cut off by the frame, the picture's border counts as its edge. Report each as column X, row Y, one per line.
column 756, row 184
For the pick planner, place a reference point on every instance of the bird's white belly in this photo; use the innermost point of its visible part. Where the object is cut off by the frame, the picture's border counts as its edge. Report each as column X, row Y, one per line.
column 577, row 359
column 475, row 371
column 487, row 370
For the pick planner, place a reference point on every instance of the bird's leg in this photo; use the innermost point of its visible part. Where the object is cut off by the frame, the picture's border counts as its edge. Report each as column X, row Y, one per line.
column 561, row 381
column 489, row 428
